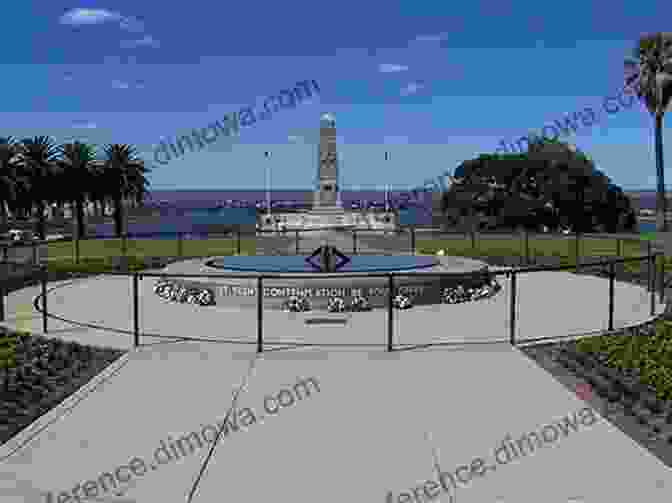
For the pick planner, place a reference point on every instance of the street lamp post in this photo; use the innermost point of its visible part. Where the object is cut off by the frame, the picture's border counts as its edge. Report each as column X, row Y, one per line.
column 387, row 157
column 268, row 186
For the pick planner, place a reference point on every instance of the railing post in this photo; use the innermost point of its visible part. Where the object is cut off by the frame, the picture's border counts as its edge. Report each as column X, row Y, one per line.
column 238, row 240
column 2, row 302
column 123, row 244
column 652, row 288
column 413, row 240
column 136, row 312
column 297, row 240
column 44, row 298
column 354, row 241
column 390, row 311
column 180, row 244
column 612, row 276
column 661, row 279
column 260, row 315
column 618, row 247
column 652, row 266
column 527, row 247
column 512, row 318
column 652, row 272
column 77, row 251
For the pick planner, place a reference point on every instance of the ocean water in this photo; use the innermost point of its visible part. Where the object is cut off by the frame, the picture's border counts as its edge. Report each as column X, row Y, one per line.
column 208, row 198
column 169, row 227
column 176, row 206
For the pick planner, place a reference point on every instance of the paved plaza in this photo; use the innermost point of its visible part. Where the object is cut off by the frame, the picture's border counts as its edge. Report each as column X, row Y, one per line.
column 378, row 424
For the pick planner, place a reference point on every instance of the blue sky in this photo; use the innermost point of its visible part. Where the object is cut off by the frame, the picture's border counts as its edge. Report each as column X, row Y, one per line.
column 433, row 83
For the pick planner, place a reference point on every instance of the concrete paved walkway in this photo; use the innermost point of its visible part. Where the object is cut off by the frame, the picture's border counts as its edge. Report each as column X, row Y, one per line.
column 363, row 434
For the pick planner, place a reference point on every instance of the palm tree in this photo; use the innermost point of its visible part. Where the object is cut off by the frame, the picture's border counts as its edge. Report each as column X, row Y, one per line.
column 98, row 190
column 37, row 158
column 8, row 175
column 649, row 73
column 124, row 174
column 77, row 165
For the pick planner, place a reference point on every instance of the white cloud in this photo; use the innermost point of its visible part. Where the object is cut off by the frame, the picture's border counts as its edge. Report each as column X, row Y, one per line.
column 146, row 41
column 78, row 17
column 118, row 84
column 391, row 68
column 412, row 88
column 84, row 125
column 81, row 17
column 432, row 38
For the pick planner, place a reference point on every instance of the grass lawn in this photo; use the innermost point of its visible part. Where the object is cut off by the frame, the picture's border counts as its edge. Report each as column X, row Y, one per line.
column 140, row 248
column 96, row 255
column 558, row 247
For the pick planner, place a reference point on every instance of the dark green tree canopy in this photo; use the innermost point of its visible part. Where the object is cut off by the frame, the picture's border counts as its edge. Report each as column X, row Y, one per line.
column 553, row 184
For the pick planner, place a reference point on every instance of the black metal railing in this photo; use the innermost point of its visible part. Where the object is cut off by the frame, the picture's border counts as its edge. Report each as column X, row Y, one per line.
column 407, row 239
column 655, row 284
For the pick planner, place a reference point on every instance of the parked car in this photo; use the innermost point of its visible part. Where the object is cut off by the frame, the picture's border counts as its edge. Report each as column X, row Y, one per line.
column 19, row 236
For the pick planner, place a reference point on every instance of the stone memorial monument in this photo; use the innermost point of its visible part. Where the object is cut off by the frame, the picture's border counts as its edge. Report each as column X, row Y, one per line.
column 327, row 209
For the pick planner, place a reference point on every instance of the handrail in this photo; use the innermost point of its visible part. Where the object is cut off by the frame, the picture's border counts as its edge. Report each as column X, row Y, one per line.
column 390, row 315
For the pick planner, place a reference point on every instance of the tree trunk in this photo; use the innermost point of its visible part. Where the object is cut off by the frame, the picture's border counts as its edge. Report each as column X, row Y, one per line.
column 118, row 217
column 661, row 202
column 3, row 213
column 41, row 221
column 79, row 216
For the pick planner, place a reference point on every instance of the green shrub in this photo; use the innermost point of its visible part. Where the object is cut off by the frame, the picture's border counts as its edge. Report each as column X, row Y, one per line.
column 650, row 355
column 8, row 352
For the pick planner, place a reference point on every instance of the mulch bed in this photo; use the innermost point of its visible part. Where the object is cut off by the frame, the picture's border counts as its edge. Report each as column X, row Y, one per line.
column 617, row 396
column 45, row 373
column 46, row 370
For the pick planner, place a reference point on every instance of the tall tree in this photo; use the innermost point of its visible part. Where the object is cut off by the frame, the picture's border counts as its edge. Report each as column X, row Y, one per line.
column 8, row 175
column 77, row 163
column 649, row 73
column 124, row 173
column 548, row 185
column 37, row 158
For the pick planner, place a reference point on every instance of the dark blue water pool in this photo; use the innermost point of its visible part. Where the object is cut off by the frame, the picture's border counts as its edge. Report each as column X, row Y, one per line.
column 297, row 264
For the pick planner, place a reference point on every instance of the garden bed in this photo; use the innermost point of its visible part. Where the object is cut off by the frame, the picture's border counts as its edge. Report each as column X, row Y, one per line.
column 42, row 372
column 623, row 396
